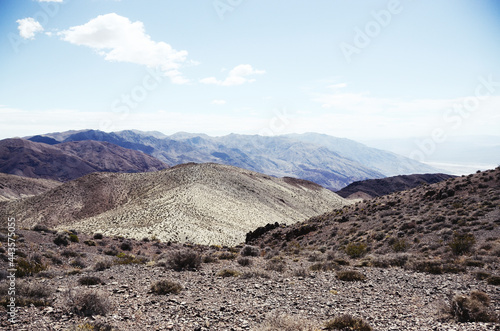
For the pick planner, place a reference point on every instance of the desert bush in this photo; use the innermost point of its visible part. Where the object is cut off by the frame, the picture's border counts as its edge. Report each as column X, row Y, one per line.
column 341, row 261
column 102, row 265
column 462, row 243
column 69, row 253
column 400, row 245
column 126, row 246
column 208, row 258
column 493, row 280
column 315, row 257
column 78, row 263
column 355, row 250
column 472, row 308
column 482, row 275
column 61, row 240
column 244, row 261
column 436, row 267
column 248, row 250
column 164, row 287
column 277, row 322
column 98, row 236
column 255, row 274
column 226, row 256
column 122, row 258
column 42, row 228
column 73, row 238
column 29, row 267
column 27, row 294
column 350, row 276
column 87, row 303
column 276, row 264
column 347, row 322
column 112, row 251
column 473, row 263
column 89, row 242
column 74, row 272
column 89, row 280
column 322, row 266
column 228, row 273
column 186, row 259
column 300, row 272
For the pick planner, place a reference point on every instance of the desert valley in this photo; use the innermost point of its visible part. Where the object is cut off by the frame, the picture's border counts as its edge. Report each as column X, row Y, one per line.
column 140, row 231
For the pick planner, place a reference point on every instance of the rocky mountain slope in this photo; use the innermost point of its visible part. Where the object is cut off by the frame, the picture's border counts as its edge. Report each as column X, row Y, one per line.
column 70, row 160
column 372, row 188
column 325, row 160
column 15, row 187
column 456, row 216
column 200, row 203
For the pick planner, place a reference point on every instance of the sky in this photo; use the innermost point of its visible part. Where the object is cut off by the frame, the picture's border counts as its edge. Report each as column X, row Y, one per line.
column 360, row 70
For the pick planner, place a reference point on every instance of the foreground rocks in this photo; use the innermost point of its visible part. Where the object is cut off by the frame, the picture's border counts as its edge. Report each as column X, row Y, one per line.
column 389, row 298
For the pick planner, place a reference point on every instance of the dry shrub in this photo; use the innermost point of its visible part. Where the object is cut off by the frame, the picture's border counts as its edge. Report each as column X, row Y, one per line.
column 103, row 265
column 186, row 259
column 87, row 303
column 26, row 294
column 284, row 322
column 347, row 322
column 350, row 276
column 276, row 264
column 166, row 287
column 255, row 274
column 250, row 251
column 462, row 243
column 244, row 261
column 228, row 273
column 89, row 280
column 355, row 250
column 472, row 308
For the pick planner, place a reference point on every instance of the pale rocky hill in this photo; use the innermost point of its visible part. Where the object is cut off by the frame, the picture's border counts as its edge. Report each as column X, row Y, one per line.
column 199, row 203
column 15, row 187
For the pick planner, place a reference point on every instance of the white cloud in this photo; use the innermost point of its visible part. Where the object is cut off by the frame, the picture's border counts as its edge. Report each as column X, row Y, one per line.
column 218, row 102
column 28, row 27
column 118, row 39
column 237, row 76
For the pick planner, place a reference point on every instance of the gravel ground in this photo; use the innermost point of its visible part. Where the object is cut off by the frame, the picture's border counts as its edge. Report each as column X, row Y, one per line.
column 389, row 299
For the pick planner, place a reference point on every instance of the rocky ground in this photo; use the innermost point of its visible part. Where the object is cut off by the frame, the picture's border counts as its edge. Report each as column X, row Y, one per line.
column 270, row 291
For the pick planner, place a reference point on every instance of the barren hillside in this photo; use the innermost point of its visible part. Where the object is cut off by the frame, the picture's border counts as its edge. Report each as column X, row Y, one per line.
column 71, row 160
column 15, row 187
column 200, row 203
column 427, row 221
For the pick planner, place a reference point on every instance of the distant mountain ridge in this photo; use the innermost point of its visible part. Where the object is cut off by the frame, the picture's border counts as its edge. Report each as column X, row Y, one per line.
column 328, row 161
column 70, row 160
column 372, row 188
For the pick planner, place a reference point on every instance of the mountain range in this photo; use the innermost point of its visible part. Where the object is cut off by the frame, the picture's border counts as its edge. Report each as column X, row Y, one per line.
column 328, row 161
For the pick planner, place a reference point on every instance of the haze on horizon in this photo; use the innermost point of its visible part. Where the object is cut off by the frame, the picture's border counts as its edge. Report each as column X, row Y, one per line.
column 383, row 69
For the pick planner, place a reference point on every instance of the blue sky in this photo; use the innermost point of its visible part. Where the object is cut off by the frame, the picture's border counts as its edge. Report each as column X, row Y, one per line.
column 361, row 70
